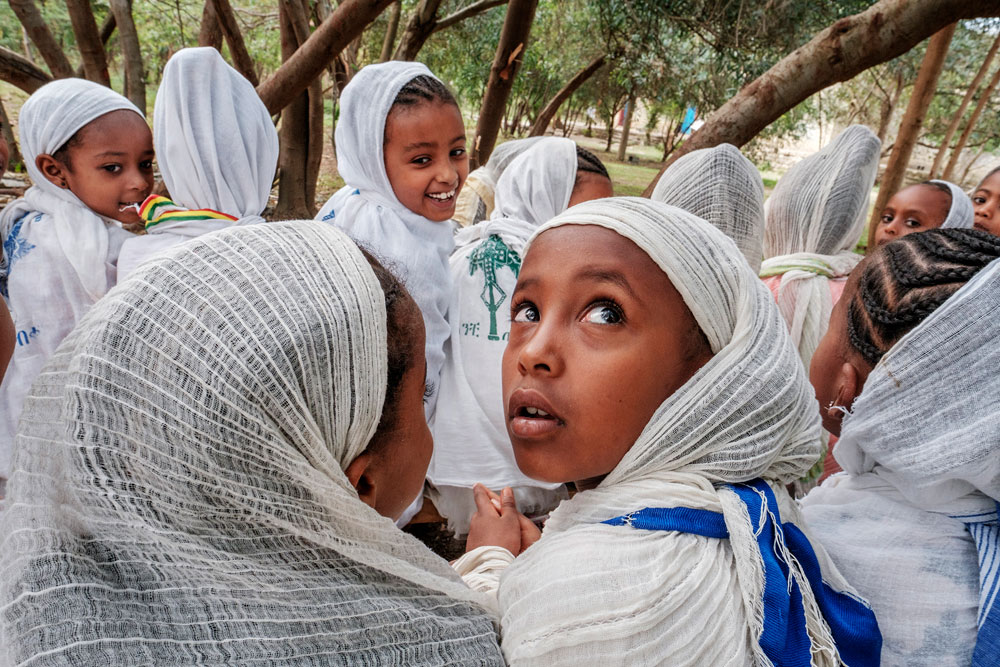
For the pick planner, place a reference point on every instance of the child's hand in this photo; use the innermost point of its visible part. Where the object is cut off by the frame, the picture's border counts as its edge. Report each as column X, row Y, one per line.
column 496, row 521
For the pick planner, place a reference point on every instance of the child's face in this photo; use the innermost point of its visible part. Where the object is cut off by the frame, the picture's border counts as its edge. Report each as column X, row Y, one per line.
column 425, row 158
column 108, row 166
column 986, row 202
column 913, row 209
column 590, row 186
column 599, row 339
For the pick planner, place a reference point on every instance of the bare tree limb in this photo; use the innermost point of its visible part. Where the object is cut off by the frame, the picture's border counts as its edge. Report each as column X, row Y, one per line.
column 21, row 72
column 419, row 27
column 128, row 37
column 390, row 31
column 210, row 32
column 973, row 119
column 40, row 35
column 107, row 29
column 242, row 61
column 546, row 115
column 88, row 41
column 466, row 12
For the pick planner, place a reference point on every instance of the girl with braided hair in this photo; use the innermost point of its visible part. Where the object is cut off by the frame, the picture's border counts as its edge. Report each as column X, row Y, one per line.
column 906, row 377
column 917, row 208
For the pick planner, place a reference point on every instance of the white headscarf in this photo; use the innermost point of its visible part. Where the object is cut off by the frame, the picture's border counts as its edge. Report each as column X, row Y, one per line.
column 216, row 147
column 477, row 200
column 536, row 188
column 179, row 494
column 592, row 593
column 814, row 218
column 723, row 187
column 367, row 209
column 59, row 257
column 920, row 450
column 961, row 214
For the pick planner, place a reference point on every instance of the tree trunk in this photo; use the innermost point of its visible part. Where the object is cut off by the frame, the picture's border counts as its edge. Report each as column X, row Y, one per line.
column 21, row 72
column 107, row 29
column 466, row 12
column 973, row 119
column 851, row 45
column 506, row 62
column 210, row 32
column 549, row 111
column 40, row 35
column 975, row 158
column 888, row 107
column 957, row 117
column 611, row 133
column 8, row 134
column 242, row 61
column 88, row 40
column 419, row 27
column 295, row 74
column 135, row 77
column 626, row 128
column 390, row 31
column 913, row 120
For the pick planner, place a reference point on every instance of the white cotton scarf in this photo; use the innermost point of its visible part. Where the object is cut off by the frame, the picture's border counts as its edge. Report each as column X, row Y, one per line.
column 477, row 200
column 59, row 257
column 961, row 214
column 179, row 494
column 723, row 187
column 216, row 147
column 470, row 434
column 814, row 218
column 589, row 593
column 413, row 247
column 920, row 450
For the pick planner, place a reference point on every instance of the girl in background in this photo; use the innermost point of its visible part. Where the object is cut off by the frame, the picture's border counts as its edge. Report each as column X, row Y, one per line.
column 986, row 201
column 917, row 208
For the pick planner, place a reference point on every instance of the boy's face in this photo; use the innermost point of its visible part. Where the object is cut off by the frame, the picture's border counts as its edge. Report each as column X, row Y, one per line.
column 913, row 209
column 425, row 158
column 986, row 202
column 599, row 338
column 109, row 166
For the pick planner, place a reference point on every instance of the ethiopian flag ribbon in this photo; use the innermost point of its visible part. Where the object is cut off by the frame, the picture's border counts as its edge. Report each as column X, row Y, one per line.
column 156, row 209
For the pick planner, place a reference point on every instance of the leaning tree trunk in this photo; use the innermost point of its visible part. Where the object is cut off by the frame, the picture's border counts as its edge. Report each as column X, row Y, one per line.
column 295, row 74
column 888, row 107
column 913, row 120
column 40, row 35
column 8, row 135
column 88, row 40
column 135, row 77
column 973, row 119
column 21, row 72
column 851, row 45
column 626, row 127
column 242, row 61
column 390, row 31
column 546, row 115
column 107, row 29
column 418, row 28
column 506, row 62
column 957, row 117
column 210, row 32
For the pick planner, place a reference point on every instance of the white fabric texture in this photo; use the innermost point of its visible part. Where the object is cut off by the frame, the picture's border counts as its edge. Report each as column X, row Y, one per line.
column 922, row 462
column 961, row 214
column 216, row 147
column 588, row 593
column 179, row 494
column 480, row 568
column 470, row 424
column 477, row 199
column 814, row 218
column 414, row 248
column 723, row 187
column 59, row 257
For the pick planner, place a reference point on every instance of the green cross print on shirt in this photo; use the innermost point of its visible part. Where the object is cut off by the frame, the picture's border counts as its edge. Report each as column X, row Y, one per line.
column 491, row 255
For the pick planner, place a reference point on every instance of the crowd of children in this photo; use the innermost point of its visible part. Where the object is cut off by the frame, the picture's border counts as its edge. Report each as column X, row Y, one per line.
column 213, row 430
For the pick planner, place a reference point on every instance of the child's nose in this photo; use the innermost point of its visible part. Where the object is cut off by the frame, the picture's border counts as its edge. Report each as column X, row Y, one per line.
column 446, row 172
column 540, row 354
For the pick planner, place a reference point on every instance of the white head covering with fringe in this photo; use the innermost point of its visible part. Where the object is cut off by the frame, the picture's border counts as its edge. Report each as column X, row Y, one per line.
column 477, row 200
column 179, row 493
column 961, row 214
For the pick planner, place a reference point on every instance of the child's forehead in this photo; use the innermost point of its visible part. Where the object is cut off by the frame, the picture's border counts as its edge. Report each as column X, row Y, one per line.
column 589, row 248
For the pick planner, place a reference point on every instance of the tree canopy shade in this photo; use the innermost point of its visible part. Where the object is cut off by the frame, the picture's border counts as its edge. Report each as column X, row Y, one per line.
column 849, row 46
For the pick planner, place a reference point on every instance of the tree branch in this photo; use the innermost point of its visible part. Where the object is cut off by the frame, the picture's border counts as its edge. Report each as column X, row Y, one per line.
column 466, row 12
column 21, row 72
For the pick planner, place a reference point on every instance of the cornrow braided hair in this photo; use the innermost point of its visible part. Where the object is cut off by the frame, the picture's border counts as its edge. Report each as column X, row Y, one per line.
column 423, row 89
column 907, row 280
column 589, row 163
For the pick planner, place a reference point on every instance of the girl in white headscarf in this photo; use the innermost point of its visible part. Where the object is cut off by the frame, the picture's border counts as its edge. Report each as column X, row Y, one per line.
column 906, row 376
column 207, row 471
column 648, row 362
column 89, row 154
column 216, row 148
column 477, row 199
column 470, row 437
column 721, row 186
column 401, row 152
column 928, row 205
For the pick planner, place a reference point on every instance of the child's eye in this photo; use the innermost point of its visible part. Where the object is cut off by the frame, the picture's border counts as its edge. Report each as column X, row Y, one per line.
column 457, row 152
column 886, row 218
column 146, row 165
column 978, row 200
column 912, row 223
column 604, row 313
column 112, row 168
column 525, row 312
column 423, row 159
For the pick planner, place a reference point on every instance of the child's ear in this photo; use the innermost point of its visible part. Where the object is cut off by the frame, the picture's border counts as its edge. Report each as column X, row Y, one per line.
column 53, row 169
column 849, row 383
column 360, row 474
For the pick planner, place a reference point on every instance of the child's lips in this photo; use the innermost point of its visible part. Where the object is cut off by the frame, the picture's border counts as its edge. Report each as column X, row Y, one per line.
column 531, row 415
column 442, row 199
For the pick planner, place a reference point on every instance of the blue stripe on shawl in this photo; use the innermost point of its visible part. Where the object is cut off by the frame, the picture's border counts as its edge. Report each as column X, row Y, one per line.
column 985, row 531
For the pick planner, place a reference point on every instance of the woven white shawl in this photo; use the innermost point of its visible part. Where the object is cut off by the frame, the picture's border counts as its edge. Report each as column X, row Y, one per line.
column 961, row 214
column 588, row 593
column 216, row 147
column 414, row 248
column 470, row 433
column 723, row 187
column 922, row 463
column 179, row 495
column 59, row 257
column 814, row 218
column 477, row 200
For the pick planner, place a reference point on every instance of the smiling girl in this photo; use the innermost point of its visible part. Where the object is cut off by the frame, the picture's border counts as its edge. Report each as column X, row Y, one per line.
column 89, row 154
